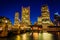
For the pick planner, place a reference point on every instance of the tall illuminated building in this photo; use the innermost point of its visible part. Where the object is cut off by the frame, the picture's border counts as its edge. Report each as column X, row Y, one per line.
column 45, row 17
column 26, row 15
column 56, row 19
column 39, row 20
column 17, row 20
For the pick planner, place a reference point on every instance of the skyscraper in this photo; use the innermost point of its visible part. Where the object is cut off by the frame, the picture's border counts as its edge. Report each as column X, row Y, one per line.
column 45, row 17
column 56, row 19
column 26, row 15
column 39, row 20
column 45, row 14
column 17, row 20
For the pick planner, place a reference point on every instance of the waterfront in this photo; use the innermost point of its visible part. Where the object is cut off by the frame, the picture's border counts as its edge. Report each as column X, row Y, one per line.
column 31, row 36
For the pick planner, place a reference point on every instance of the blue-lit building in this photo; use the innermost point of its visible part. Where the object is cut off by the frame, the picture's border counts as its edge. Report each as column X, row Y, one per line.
column 57, row 20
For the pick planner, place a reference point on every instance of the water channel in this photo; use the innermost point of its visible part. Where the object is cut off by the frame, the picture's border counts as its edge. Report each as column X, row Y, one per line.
column 31, row 36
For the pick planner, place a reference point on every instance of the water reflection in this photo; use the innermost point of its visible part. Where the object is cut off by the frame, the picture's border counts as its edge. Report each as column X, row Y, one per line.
column 18, row 37
column 31, row 36
column 24, row 36
column 47, row 36
column 40, row 36
column 35, row 36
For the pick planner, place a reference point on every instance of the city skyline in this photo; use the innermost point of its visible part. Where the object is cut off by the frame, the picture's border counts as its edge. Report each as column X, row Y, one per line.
column 29, row 20
column 8, row 8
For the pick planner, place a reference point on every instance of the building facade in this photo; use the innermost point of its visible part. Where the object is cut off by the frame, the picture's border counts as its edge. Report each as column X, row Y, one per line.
column 26, row 15
column 56, row 20
column 17, row 20
column 44, row 19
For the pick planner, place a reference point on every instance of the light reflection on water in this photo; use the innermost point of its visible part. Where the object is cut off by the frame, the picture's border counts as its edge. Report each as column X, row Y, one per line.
column 24, row 37
column 47, row 36
column 18, row 37
column 35, row 36
column 42, row 36
column 28, row 36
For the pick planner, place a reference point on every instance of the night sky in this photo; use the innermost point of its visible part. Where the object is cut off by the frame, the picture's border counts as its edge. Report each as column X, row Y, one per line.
column 9, row 7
